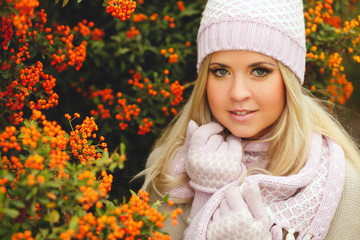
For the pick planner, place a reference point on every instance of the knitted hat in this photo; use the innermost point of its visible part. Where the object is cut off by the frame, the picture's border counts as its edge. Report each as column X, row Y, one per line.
column 272, row 27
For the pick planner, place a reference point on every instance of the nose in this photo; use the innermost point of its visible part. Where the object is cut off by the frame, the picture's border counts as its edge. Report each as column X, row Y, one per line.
column 240, row 89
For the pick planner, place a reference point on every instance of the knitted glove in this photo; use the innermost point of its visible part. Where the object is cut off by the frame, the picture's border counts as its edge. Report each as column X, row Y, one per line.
column 242, row 215
column 212, row 162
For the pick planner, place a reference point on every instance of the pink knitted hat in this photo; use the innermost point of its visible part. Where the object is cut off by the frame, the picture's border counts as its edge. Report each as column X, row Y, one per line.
column 274, row 28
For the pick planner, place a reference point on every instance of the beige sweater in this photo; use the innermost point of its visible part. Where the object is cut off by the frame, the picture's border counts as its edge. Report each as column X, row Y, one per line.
column 345, row 225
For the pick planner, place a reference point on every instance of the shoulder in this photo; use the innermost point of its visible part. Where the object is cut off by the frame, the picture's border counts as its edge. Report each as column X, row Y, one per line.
column 346, row 223
column 352, row 177
column 351, row 192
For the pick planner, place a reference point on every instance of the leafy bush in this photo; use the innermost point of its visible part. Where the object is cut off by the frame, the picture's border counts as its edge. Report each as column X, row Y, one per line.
column 128, row 66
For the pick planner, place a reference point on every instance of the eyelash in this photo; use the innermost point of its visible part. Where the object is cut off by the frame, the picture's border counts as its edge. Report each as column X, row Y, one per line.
column 216, row 71
column 265, row 70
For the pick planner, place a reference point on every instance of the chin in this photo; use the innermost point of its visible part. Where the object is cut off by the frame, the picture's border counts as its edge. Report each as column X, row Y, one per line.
column 241, row 134
column 247, row 135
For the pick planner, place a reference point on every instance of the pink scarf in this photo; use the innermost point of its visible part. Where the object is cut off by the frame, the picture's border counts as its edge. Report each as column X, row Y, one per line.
column 305, row 202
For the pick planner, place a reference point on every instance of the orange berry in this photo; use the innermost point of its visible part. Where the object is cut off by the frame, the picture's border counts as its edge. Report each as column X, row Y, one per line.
column 99, row 205
column 40, row 179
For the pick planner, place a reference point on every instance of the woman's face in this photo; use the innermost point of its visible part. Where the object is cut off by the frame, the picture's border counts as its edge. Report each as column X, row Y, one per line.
column 245, row 91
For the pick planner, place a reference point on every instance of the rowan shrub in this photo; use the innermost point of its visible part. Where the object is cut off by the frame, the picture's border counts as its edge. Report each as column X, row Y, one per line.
column 129, row 66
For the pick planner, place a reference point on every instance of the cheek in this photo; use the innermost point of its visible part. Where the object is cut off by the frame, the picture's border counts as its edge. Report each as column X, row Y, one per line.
column 280, row 93
column 275, row 97
column 216, row 95
column 211, row 94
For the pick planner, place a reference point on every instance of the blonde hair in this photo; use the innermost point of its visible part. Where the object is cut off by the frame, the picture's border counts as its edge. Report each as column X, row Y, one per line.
column 290, row 138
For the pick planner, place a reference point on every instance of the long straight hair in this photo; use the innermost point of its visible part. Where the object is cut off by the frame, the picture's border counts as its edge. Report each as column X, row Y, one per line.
column 290, row 138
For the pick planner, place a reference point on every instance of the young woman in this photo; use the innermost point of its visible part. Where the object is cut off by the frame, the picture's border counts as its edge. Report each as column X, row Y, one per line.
column 253, row 155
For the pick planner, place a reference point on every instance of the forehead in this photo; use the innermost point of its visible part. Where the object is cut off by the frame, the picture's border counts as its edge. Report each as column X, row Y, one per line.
column 240, row 55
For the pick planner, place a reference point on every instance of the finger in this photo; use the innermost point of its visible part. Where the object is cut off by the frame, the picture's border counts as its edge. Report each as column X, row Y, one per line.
column 234, row 144
column 223, row 147
column 253, row 199
column 235, row 199
column 202, row 134
column 214, row 142
column 191, row 128
column 216, row 215
column 224, row 208
column 276, row 232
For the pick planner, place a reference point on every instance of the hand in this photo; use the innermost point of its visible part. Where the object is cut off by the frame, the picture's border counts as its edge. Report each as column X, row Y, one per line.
column 241, row 215
column 212, row 161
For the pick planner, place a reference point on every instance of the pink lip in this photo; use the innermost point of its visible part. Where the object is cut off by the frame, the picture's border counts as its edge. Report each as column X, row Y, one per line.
column 242, row 118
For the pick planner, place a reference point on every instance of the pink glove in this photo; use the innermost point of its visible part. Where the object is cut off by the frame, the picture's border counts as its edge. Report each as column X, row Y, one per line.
column 213, row 162
column 242, row 215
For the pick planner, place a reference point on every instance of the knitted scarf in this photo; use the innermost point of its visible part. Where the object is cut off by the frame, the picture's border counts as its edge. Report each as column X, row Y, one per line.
column 304, row 203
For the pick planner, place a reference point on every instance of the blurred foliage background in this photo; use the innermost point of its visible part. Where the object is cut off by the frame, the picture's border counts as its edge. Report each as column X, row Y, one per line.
column 125, row 68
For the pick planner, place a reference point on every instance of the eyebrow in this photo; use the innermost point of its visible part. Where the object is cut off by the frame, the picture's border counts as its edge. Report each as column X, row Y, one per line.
column 219, row 64
column 251, row 65
column 261, row 63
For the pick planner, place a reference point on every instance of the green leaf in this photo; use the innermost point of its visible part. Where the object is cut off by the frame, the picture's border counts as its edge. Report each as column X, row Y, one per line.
column 17, row 203
column 117, row 38
column 122, row 148
column 73, row 222
column 112, row 167
column 166, row 197
column 6, row 75
column 4, row 231
column 190, row 12
column 6, row 174
column 43, row 232
column 52, row 184
column 121, row 51
column 34, row 191
column 155, row 206
column 132, row 192
column 105, row 155
column 64, row 3
column 15, row 227
column 13, row 213
column 52, row 217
